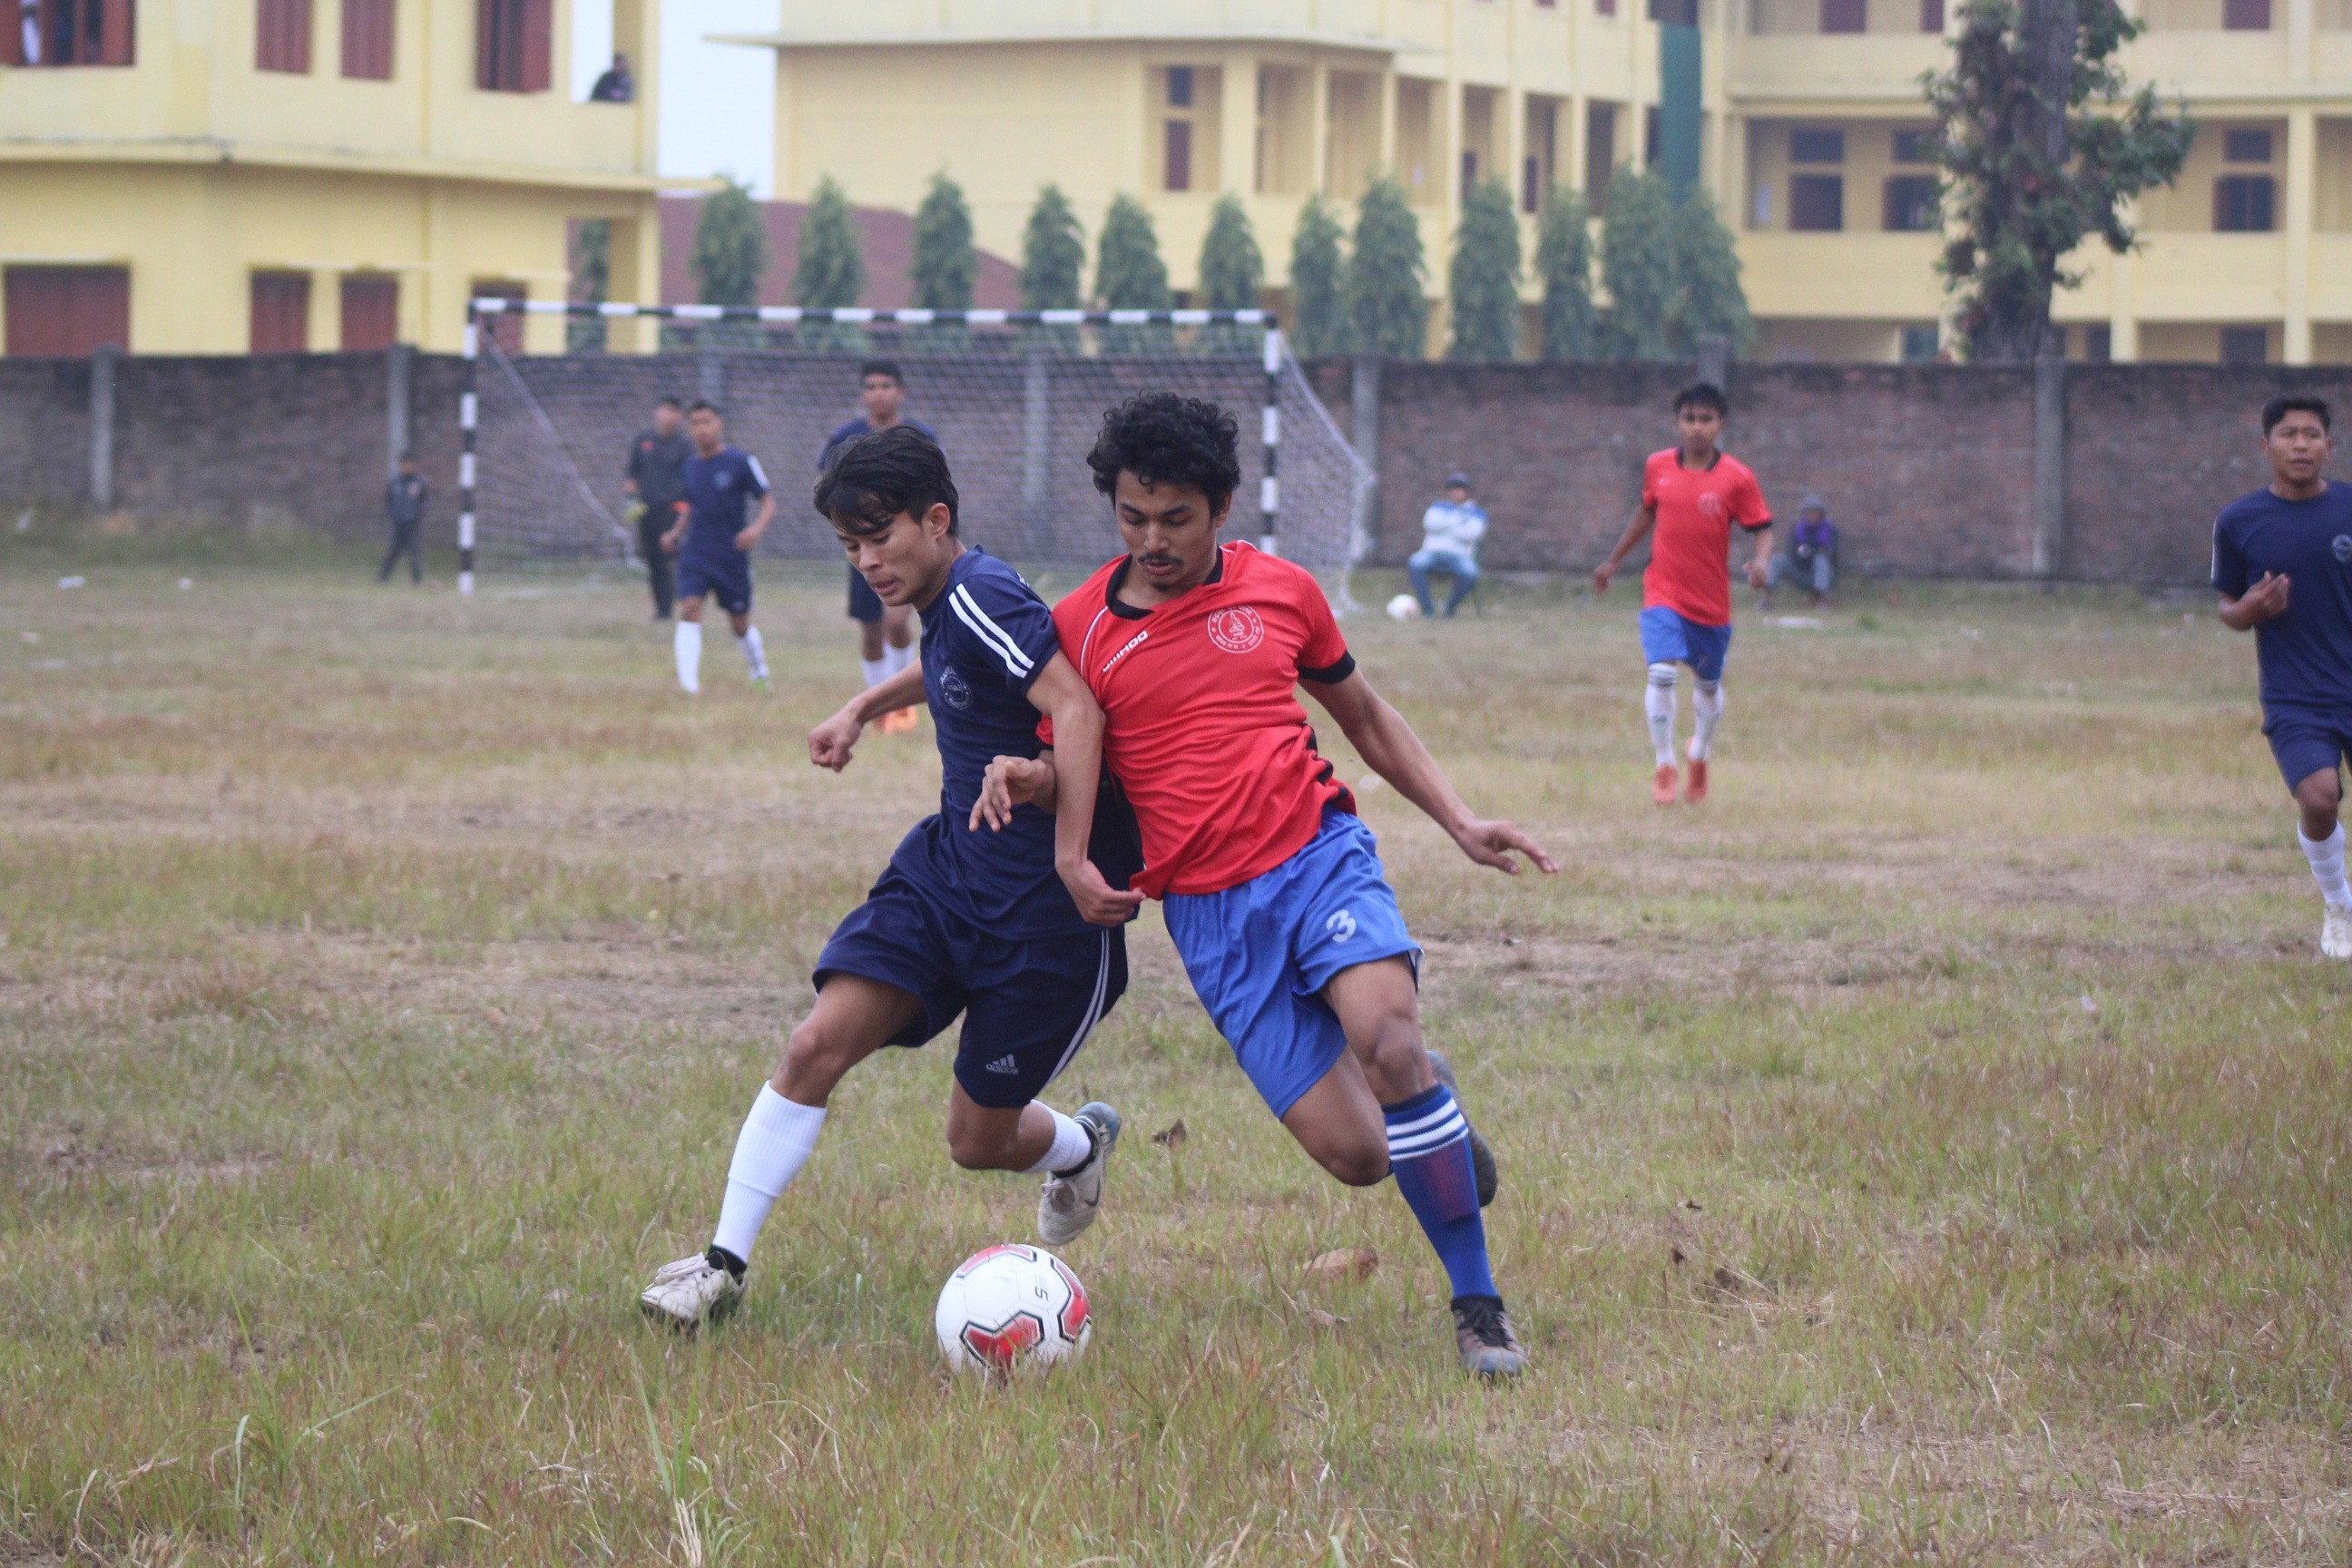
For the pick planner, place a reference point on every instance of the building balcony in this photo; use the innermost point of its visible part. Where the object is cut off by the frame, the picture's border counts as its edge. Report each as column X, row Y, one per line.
column 1813, row 73
column 2190, row 277
column 1854, row 276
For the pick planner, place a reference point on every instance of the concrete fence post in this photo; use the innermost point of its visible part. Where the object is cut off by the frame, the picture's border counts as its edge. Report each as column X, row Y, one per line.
column 713, row 370
column 1036, row 435
column 1364, row 407
column 2050, row 460
column 102, row 364
column 399, row 405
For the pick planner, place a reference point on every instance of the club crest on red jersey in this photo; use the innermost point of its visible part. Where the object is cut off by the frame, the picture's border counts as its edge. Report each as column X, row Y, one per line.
column 1236, row 630
column 1710, row 505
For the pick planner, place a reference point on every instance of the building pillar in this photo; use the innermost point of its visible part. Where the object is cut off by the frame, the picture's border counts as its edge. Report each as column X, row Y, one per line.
column 1515, row 145
column 1388, row 113
column 103, row 365
column 1571, row 173
column 1237, row 126
column 1319, row 127
column 2302, row 182
column 324, row 330
column 1451, row 106
column 2123, row 316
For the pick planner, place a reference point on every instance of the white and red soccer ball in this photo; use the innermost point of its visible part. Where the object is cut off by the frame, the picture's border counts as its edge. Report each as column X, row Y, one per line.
column 1012, row 1308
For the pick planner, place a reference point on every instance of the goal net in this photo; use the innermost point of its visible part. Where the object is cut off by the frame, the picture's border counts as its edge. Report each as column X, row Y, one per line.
column 1015, row 396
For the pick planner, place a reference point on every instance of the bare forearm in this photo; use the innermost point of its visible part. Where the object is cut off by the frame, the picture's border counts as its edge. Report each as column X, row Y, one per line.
column 1637, row 528
column 903, row 689
column 1077, row 760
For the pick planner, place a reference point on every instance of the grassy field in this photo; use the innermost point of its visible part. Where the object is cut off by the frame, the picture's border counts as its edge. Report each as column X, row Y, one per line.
column 1932, row 1150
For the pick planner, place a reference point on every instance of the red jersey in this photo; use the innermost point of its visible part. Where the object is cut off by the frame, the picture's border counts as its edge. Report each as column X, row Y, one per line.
column 1204, row 731
column 1690, row 550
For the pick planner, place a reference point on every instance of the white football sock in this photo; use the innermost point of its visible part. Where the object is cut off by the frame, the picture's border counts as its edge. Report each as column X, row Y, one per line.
column 687, row 640
column 1658, row 707
column 875, row 670
column 755, row 654
column 1706, row 712
column 895, row 659
column 1071, row 1145
column 2327, row 858
column 777, row 1139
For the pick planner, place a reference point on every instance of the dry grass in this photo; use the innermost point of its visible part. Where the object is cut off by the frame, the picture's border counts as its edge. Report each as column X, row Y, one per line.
column 1933, row 1151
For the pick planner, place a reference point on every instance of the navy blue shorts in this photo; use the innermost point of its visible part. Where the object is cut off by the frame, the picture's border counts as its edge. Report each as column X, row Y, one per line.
column 1670, row 638
column 1027, row 1007
column 865, row 603
column 2307, row 741
column 1259, row 954
column 725, row 578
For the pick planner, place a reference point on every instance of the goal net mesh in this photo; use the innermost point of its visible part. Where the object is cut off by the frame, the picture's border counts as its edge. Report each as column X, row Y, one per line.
column 1016, row 407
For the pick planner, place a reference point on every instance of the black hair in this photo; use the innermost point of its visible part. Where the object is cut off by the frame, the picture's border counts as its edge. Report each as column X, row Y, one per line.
column 701, row 405
column 880, row 478
column 888, row 367
column 2279, row 407
column 666, row 403
column 1164, row 439
column 1703, row 394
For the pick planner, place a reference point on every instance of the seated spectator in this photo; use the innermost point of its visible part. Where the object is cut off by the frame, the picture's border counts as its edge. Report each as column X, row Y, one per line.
column 1450, row 531
column 1812, row 556
column 615, row 86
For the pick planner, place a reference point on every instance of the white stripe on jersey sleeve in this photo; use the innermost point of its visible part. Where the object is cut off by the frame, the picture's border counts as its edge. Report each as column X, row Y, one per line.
column 969, row 612
column 757, row 472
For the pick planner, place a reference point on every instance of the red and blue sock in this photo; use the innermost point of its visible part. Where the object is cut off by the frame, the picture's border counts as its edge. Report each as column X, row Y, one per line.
column 1429, row 1154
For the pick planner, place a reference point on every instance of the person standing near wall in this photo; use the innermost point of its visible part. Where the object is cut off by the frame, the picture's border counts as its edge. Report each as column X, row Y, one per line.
column 1450, row 531
column 404, row 510
column 655, row 484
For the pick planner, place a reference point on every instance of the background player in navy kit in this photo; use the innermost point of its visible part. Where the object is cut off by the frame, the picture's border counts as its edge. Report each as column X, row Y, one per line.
column 656, row 482
column 2283, row 565
column 886, row 632
column 714, row 546
column 1018, row 928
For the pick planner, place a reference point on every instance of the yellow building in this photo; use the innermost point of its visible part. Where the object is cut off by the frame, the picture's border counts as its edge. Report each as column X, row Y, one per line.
column 1809, row 142
column 210, row 176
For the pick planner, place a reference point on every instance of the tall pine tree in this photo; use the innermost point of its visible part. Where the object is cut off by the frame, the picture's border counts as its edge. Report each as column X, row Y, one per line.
column 1564, row 264
column 1386, row 274
column 1319, row 283
column 1231, row 270
column 831, row 268
column 1053, row 254
column 1129, row 273
column 1482, row 285
column 730, row 248
column 1638, row 264
column 944, row 265
column 1709, row 301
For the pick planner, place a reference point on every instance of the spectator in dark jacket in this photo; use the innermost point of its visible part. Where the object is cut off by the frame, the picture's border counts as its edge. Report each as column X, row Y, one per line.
column 404, row 509
column 1812, row 558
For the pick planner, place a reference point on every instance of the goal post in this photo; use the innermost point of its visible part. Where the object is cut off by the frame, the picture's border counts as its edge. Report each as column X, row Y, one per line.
column 1015, row 396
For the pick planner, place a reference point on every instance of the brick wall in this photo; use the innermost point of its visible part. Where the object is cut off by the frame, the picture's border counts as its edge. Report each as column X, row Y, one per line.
column 44, row 431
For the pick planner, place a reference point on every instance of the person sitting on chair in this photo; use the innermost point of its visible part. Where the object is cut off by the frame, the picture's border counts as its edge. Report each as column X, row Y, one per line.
column 1450, row 531
column 1813, row 554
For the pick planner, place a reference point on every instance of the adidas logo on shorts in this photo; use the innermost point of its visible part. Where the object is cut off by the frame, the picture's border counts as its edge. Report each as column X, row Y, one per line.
column 1004, row 1064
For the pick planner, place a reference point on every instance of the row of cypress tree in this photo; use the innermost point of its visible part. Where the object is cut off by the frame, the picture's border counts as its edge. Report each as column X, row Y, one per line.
column 1672, row 272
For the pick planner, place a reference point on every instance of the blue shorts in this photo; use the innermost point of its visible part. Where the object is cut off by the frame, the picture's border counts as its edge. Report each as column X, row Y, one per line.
column 2307, row 741
column 1027, row 1007
column 865, row 603
column 1259, row 954
column 1669, row 638
column 725, row 578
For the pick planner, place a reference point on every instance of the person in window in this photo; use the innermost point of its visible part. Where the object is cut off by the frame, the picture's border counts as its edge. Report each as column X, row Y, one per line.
column 1813, row 554
column 616, row 85
column 1450, row 531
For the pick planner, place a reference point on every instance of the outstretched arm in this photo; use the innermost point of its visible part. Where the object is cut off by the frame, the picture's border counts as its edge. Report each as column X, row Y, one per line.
column 831, row 741
column 1060, row 694
column 1637, row 528
column 1380, row 735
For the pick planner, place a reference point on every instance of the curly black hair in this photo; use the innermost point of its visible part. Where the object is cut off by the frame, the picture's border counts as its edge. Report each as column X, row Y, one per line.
column 880, row 478
column 1164, row 439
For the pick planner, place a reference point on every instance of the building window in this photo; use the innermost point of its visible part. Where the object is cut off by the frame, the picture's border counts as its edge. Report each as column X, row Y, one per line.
column 2245, row 345
column 1816, row 146
column 1910, row 204
column 2245, row 203
column 1915, row 146
column 281, row 36
column 1604, row 7
column 1817, row 203
column 2246, row 146
column 66, row 311
column 1176, row 160
column 282, row 312
column 1921, row 343
column 513, row 44
column 2099, row 344
column 1931, row 16
column 2246, row 17
column 1845, row 15
column 1531, row 182
column 1469, row 173
column 367, row 40
column 1599, row 154
column 371, row 313
column 69, row 33
column 1180, row 87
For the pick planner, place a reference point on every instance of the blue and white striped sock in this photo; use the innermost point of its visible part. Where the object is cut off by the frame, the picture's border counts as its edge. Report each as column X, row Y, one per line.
column 1429, row 1154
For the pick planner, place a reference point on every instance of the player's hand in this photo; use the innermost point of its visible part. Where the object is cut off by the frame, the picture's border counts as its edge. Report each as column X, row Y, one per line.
column 2266, row 600
column 1011, row 782
column 831, row 742
column 1098, row 902
column 1758, row 577
column 1491, row 843
column 1602, row 575
column 670, row 542
column 745, row 540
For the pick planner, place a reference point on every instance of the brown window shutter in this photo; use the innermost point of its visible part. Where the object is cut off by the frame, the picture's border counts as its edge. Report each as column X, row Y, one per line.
column 367, row 40
column 537, row 45
column 66, row 312
column 282, row 312
column 118, row 35
column 1845, row 15
column 282, row 36
column 371, row 313
column 486, row 44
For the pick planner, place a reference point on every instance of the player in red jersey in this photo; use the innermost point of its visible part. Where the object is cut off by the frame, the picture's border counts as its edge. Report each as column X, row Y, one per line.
column 1691, row 493
column 1272, row 887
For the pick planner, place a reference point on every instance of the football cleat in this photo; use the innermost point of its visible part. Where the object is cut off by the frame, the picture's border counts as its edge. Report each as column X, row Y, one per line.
column 1482, row 1333
column 2336, row 933
column 1068, row 1204
column 1482, row 1159
column 690, row 1292
column 1696, row 791
column 1662, row 787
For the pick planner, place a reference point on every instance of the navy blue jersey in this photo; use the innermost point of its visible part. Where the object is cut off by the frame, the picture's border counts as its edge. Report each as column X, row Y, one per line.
column 985, row 638
column 853, row 430
column 717, row 490
column 2306, row 653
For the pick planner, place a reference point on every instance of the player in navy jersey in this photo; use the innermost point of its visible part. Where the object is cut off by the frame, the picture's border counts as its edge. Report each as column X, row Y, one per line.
column 1019, row 927
column 2283, row 565
column 713, row 544
column 886, row 632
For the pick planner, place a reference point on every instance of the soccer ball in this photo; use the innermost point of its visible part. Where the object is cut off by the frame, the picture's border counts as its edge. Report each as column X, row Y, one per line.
column 1404, row 607
column 1012, row 1308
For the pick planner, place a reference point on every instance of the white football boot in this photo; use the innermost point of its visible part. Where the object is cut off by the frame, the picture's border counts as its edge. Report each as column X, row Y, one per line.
column 690, row 1292
column 2336, row 933
column 1068, row 1205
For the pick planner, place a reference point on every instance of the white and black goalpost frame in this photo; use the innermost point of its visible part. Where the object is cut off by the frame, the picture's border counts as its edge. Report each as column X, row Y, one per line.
column 476, row 310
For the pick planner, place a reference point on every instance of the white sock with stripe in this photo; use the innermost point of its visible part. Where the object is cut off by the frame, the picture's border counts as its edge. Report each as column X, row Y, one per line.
column 755, row 654
column 1073, row 1146
column 1658, row 708
column 2326, row 858
column 1706, row 712
column 777, row 1139
column 895, row 659
column 688, row 643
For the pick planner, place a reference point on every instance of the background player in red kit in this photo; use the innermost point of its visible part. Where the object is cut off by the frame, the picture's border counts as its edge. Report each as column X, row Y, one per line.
column 1691, row 493
column 1273, row 889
